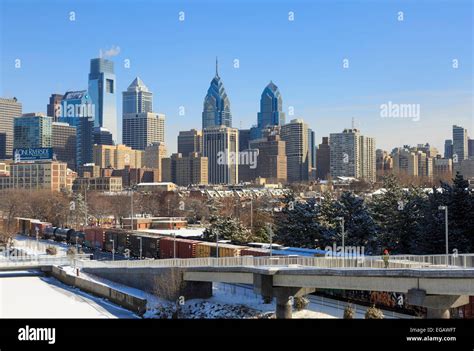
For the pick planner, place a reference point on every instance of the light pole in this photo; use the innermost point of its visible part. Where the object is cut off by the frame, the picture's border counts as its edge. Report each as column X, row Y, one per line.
column 140, row 238
column 342, row 234
column 445, row 208
column 174, row 244
column 113, row 249
column 131, row 209
column 217, row 243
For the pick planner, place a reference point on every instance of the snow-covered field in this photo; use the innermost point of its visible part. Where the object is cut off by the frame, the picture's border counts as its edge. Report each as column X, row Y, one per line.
column 42, row 297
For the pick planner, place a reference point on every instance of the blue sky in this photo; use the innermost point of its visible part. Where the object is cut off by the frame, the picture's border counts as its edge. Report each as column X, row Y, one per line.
column 407, row 61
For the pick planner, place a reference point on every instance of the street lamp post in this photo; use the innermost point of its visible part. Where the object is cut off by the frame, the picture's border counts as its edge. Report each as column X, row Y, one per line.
column 131, row 209
column 445, row 209
column 342, row 234
column 113, row 249
column 217, row 244
column 174, row 244
column 140, row 238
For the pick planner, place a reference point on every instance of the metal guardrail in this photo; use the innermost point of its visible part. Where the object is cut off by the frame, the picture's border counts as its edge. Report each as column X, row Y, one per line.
column 461, row 261
column 9, row 262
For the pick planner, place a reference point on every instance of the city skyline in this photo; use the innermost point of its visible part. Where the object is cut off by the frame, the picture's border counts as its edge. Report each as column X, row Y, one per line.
column 317, row 89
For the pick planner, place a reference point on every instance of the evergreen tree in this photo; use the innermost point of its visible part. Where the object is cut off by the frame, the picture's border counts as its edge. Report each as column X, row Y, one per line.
column 227, row 228
column 298, row 225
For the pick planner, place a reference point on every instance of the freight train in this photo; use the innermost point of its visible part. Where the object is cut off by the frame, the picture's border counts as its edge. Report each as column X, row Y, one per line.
column 45, row 230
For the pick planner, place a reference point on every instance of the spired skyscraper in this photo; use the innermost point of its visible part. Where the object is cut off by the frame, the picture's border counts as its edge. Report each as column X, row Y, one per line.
column 271, row 111
column 103, row 95
column 216, row 111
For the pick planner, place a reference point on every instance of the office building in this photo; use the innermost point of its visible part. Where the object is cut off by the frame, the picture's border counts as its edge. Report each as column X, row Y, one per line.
column 271, row 160
column 322, row 159
column 9, row 109
column 137, row 98
column 448, row 148
column 460, row 144
column 117, row 156
column 143, row 129
column 216, row 110
column 63, row 142
column 101, row 136
column 32, row 130
column 39, row 175
column 153, row 156
column 77, row 111
column 271, row 109
column 220, row 146
column 189, row 141
column 53, row 109
column 102, row 91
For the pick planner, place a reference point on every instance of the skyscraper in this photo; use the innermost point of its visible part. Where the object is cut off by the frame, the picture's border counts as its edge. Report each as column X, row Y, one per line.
column 32, row 130
column 470, row 147
column 460, row 151
column 53, row 109
column 295, row 134
column 322, row 159
column 102, row 94
column 448, row 148
column 352, row 155
column 63, row 142
column 189, row 141
column 137, row 98
column 101, row 136
column 312, row 153
column 9, row 109
column 271, row 108
column 143, row 129
column 220, row 146
column 216, row 111
column 77, row 110
column 271, row 159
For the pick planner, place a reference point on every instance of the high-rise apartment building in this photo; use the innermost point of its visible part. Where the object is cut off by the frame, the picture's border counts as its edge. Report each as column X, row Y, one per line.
column 295, row 134
column 153, row 156
column 220, row 146
column 9, row 109
column 352, row 155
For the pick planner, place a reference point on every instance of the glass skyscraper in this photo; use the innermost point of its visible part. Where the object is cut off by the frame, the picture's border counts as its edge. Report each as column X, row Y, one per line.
column 32, row 131
column 137, row 98
column 77, row 111
column 216, row 110
column 102, row 94
column 271, row 107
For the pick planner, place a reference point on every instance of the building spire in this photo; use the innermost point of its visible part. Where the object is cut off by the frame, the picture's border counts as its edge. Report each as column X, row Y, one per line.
column 217, row 68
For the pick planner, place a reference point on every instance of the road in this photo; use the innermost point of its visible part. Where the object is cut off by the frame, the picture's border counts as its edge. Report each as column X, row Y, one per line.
column 24, row 296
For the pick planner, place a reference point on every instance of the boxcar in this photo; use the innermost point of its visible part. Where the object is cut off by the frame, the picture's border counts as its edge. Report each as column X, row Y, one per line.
column 184, row 248
column 150, row 245
column 94, row 237
column 121, row 240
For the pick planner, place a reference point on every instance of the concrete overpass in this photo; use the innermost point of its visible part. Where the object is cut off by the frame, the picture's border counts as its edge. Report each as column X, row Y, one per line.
column 435, row 282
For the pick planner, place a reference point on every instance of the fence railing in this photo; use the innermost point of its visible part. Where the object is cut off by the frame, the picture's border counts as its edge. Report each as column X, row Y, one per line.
column 461, row 261
column 35, row 261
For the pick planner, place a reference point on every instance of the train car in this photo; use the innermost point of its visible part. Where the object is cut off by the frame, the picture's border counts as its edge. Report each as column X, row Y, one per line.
column 208, row 249
column 23, row 225
column 297, row 251
column 63, row 234
column 77, row 238
column 117, row 239
column 253, row 251
column 94, row 237
column 184, row 248
column 38, row 226
column 150, row 245
column 48, row 232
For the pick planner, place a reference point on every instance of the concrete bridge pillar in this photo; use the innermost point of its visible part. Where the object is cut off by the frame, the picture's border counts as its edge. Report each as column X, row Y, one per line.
column 437, row 306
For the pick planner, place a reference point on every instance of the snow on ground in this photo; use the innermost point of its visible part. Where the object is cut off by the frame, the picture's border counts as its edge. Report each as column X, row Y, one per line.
column 42, row 297
column 38, row 248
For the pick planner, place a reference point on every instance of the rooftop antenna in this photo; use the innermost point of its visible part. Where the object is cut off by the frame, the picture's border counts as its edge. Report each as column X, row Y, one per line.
column 353, row 123
column 217, row 66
